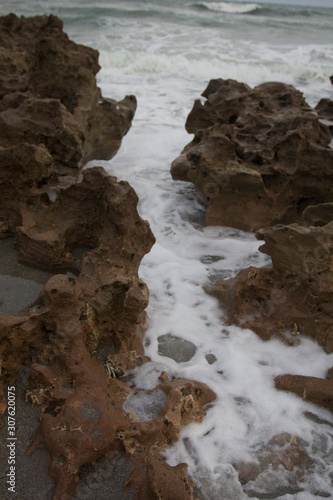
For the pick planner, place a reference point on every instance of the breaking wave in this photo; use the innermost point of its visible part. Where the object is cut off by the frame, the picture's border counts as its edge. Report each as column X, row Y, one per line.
column 229, row 7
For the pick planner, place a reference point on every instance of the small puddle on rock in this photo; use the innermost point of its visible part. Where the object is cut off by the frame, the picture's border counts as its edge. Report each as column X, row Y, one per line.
column 20, row 284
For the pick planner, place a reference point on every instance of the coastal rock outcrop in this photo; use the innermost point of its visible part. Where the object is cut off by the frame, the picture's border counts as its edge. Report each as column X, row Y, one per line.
column 68, row 113
column 259, row 156
column 50, row 127
column 324, row 110
column 292, row 297
column 263, row 160
column 68, row 351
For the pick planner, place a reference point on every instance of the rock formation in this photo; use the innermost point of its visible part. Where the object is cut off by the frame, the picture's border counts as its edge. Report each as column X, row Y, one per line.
column 316, row 390
column 292, row 297
column 71, row 347
column 78, row 123
column 324, row 110
column 263, row 160
column 259, row 156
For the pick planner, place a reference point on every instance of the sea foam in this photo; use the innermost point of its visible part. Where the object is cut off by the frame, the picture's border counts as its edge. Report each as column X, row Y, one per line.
column 229, row 7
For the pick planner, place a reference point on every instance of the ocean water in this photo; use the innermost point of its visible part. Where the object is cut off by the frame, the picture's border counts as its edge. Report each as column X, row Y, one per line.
column 165, row 52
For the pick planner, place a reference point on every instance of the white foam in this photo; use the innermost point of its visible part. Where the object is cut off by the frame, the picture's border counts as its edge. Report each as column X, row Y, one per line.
column 144, row 406
column 231, row 8
column 307, row 67
column 248, row 411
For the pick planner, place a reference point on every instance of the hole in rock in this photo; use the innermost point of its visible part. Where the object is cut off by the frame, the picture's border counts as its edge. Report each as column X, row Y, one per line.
column 52, row 194
column 306, row 202
column 20, row 284
column 51, row 412
column 36, row 309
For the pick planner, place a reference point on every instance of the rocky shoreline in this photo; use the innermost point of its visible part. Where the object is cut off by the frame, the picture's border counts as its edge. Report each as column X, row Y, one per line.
column 263, row 160
column 66, row 355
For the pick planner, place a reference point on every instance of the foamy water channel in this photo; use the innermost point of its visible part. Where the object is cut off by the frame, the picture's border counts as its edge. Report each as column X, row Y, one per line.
column 187, row 336
column 235, row 363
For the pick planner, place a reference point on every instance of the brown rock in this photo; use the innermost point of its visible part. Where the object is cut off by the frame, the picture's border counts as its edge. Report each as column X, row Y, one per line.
column 324, row 109
column 22, row 168
column 282, row 450
column 82, row 415
column 315, row 390
column 156, row 480
column 318, row 215
column 293, row 297
column 27, row 119
column 255, row 155
column 66, row 114
column 71, row 346
column 33, row 46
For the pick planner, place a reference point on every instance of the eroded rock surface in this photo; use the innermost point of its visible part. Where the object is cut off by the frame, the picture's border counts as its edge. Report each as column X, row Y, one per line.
column 264, row 161
column 72, row 346
column 292, row 297
column 316, row 390
column 78, row 123
column 259, row 156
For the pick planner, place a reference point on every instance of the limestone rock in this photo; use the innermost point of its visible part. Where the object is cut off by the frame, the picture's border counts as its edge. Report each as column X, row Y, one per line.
column 324, row 109
column 67, row 114
column 313, row 389
column 318, row 215
column 259, row 156
column 157, row 480
column 72, row 346
column 292, row 297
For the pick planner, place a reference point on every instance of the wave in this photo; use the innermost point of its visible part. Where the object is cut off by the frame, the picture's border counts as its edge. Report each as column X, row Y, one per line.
column 229, row 7
column 143, row 68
